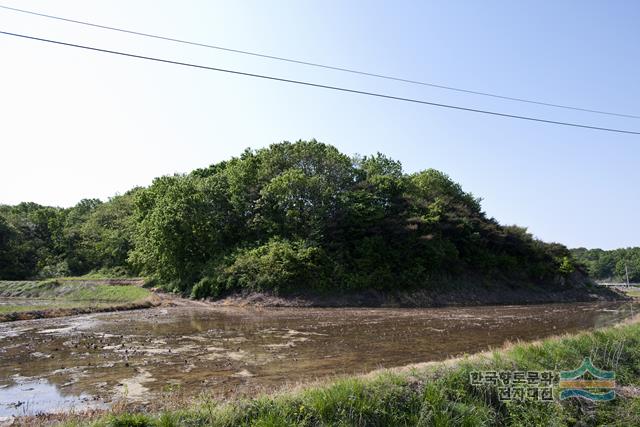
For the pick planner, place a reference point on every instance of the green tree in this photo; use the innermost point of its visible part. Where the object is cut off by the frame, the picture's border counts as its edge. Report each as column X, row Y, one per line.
column 291, row 217
column 182, row 223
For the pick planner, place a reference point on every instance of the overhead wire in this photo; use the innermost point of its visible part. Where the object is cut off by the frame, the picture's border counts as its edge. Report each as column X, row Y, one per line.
column 318, row 65
column 318, row 85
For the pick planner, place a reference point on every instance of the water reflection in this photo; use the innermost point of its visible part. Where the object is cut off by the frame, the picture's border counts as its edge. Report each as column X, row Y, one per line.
column 35, row 397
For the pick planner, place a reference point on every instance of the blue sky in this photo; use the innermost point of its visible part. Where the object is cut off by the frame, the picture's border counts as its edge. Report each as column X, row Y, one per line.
column 77, row 124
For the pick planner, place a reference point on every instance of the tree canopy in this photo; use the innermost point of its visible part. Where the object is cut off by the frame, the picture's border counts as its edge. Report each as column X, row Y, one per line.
column 610, row 265
column 291, row 217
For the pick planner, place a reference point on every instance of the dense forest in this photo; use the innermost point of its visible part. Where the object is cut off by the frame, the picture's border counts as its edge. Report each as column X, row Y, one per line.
column 292, row 217
column 610, row 265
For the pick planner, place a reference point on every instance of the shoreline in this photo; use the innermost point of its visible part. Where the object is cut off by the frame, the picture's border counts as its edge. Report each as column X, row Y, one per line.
column 473, row 297
column 53, row 298
column 52, row 313
column 425, row 298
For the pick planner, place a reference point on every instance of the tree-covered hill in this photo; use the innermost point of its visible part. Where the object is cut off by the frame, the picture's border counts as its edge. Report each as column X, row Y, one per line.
column 293, row 217
column 610, row 265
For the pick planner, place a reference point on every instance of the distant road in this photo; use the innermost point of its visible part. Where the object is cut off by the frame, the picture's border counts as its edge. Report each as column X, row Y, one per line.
column 633, row 289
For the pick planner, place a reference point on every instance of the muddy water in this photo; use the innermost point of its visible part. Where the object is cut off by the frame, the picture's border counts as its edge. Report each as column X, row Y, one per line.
column 91, row 360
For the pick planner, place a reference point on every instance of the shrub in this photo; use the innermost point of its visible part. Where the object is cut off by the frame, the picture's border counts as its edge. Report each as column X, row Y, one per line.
column 566, row 266
column 279, row 265
column 207, row 287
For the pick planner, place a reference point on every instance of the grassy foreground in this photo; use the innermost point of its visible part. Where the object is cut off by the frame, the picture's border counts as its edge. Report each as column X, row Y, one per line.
column 436, row 394
column 50, row 298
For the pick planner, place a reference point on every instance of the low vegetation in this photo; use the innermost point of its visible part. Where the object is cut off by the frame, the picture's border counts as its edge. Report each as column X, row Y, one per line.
column 294, row 217
column 611, row 265
column 71, row 291
column 438, row 394
column 52, row 298
column 633, row 292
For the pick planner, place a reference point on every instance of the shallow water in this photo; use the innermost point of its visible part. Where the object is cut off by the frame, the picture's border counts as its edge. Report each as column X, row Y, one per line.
column 137, row 355
column 29, row 397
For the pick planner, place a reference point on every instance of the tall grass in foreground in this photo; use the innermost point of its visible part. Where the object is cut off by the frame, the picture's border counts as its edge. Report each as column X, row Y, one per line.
column 438, row 394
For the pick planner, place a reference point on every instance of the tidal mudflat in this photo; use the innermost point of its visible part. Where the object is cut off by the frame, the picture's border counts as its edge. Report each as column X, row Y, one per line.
column 94, row 360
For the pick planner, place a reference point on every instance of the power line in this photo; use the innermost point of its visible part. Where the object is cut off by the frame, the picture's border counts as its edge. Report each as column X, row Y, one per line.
column 313, row 64
column 318, row 85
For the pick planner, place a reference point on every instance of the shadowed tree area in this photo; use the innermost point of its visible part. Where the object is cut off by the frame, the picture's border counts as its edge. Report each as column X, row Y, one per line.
column 293, row 217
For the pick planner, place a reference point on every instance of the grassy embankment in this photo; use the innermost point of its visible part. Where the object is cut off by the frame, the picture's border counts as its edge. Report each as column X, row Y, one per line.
column 635, row 293
column 52, row 298
column 435, row 394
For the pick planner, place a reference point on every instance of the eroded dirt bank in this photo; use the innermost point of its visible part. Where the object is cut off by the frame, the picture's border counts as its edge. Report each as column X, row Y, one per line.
column 463, row 297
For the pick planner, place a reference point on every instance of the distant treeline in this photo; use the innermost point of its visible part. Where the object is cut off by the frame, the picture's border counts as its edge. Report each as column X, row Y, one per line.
column 610, row 265
column 292, row 217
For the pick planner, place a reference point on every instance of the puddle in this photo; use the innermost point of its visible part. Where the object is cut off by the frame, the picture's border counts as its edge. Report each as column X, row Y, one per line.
column 74, row 362
column 35, row 397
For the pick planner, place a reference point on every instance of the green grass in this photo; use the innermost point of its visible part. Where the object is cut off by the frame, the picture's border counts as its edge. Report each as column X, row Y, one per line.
column 436, row 395
column 18, row 308
column 103, row 273
column 106, row 293
column 72, row 291
column 53, row 297
column 54, row 305
column 28, row 289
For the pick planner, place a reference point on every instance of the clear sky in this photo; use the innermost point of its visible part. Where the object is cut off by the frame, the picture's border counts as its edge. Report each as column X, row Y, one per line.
column 76, row 124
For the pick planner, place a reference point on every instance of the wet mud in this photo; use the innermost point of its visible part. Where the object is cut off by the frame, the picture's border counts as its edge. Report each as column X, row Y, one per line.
column 90, row 361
